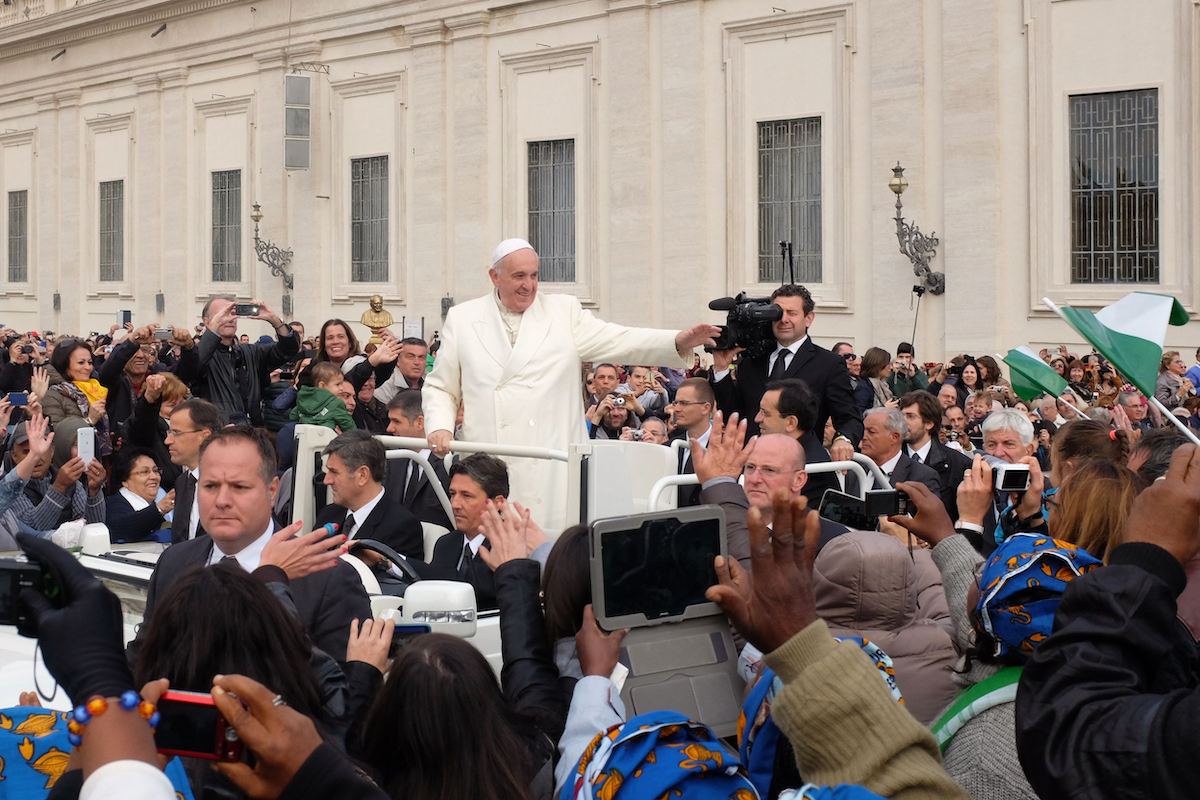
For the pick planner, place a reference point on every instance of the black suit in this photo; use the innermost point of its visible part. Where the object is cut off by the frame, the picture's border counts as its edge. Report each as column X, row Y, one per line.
column 824, row 373
column 818, row 482
column 444, row 566
column 185, row 495
column 905, row 470
column 325, row 601
column 388, row 523
column 950, row 465
column 687, row 495
column 419, row 498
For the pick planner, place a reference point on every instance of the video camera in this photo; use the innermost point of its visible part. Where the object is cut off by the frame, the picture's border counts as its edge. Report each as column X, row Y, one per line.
column 748, row 324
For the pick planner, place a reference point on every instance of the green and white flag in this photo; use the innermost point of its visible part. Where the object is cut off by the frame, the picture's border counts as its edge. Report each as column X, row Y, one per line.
column 1129, row 333
column 1030, row 376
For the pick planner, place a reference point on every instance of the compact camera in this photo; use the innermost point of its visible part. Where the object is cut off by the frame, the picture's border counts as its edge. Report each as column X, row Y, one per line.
column 16, row 575
column 886, row 503
column 618, row 401
column 190, row 725
column 163, row 334
column 246, row 310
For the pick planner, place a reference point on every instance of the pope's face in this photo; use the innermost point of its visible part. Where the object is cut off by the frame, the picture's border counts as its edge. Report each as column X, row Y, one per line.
column 516, row 279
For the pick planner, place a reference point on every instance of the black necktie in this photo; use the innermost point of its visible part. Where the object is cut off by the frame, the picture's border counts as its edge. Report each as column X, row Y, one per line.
column 464, row 563
column 916, row 458
column 348, row 526
column 780, row 369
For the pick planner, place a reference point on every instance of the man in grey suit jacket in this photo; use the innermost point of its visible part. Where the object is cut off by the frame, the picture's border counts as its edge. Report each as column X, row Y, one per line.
column 884, row 430
column 236, row 494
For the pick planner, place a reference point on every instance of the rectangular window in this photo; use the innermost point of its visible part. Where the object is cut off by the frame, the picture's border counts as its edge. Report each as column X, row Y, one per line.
column 1114, row 187
column 227, row 225
column 552, row 208
column 18, row 236
column 112, row 230
column 369, row 219
column 789, row 198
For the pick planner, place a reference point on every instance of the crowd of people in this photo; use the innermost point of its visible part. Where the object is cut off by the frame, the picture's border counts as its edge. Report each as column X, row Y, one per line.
column 1033, row 643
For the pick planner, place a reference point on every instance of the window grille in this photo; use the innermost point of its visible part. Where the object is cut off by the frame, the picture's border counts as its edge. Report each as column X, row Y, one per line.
column 369, row 219
column 112, row 230
column 18, row 236
column 1114, row 187
column 552, row 208
column 227, row 225
column 789, row 198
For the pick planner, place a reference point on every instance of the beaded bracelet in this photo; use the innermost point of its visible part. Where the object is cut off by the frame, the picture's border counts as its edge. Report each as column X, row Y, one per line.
column 82, row 715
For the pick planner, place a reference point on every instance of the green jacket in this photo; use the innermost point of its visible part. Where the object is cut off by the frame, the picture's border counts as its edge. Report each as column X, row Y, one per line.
column 317, row 406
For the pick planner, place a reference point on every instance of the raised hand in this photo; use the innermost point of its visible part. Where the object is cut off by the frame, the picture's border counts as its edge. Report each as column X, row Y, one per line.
column 302, row 555
column 154, row 386
column 777, row 603
column 40, row 382
column 370, row 642
column 385, row 353
column 696, row 336
column 975, row 492
column 727, row 449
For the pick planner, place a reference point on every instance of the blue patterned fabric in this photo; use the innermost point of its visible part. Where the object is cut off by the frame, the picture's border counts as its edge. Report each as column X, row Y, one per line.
column 34, row 752
column 1027, row 561
column 659, row 754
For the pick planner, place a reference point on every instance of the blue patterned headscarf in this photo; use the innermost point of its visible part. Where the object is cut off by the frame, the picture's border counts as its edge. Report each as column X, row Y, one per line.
column 658, row 754
column 1027, row 561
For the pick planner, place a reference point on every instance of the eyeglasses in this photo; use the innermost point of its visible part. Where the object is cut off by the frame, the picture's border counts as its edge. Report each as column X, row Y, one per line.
column 177, row 434
column 689, row 403
column 768, row 472
column 141, row 473
column 849, row 356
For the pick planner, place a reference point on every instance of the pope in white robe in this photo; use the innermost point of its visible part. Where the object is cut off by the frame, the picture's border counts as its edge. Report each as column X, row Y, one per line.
column 513, row 358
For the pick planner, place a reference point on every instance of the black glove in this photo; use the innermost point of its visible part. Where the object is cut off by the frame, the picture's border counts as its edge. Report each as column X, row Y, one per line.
column 81, row 637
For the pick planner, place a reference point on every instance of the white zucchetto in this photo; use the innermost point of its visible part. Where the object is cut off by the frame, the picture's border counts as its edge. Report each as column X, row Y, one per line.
column 509, row 246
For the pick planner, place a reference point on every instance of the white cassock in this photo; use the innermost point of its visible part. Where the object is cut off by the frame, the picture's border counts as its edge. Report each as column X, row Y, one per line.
column 530, row 393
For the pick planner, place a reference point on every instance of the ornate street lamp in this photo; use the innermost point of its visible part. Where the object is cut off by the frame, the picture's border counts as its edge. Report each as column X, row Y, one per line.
column 919, row 248
column 275, row 259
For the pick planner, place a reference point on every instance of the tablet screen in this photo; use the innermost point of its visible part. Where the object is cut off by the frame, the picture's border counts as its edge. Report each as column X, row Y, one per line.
column 659, row 568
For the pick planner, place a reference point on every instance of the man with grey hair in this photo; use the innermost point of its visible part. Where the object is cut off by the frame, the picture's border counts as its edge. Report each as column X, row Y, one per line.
column 354, row 471
column 512, row 359
column 884, row 430
column 1008, row 435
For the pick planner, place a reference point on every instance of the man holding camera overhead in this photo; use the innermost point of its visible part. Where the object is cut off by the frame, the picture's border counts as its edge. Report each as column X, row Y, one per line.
column 795, row 356
column 230, row 374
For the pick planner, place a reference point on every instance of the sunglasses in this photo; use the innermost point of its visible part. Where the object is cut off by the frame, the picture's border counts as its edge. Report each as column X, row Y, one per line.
column 849, row 356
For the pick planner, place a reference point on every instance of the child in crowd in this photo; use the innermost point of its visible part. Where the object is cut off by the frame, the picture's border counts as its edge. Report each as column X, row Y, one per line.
column 317, row 400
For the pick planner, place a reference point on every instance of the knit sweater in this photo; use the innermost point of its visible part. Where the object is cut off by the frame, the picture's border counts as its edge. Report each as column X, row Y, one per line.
column 846, row 727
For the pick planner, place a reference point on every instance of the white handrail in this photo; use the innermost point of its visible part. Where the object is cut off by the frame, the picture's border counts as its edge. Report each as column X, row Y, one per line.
column 423, row 463
column 836, row 466
column 661, row 485
column 492, row 448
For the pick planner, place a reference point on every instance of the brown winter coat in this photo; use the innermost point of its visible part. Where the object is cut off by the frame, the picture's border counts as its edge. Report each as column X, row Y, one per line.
column 867, row 585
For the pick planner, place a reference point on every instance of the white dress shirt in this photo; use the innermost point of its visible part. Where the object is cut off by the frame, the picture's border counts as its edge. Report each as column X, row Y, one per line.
column 474, row 543
column 791, row 348
column 194, row 519
column 249, row 556
column 364, row 511
column 702, row 439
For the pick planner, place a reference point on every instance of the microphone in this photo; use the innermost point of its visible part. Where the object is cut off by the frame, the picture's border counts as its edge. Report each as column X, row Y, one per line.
column 723, row 304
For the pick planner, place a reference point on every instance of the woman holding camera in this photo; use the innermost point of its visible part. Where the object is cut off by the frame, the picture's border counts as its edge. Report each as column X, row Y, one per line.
column 16, row 375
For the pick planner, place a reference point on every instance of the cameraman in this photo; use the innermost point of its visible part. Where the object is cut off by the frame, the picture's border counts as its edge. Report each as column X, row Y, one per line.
column 795, row 356
column 905, row 376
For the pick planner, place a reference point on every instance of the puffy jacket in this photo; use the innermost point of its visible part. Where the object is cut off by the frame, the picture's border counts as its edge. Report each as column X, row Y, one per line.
column 1109, row 705
column 866, row 585
column 56, row 405
column 317, row 406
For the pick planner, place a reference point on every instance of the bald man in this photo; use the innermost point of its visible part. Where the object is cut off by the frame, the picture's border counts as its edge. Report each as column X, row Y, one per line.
column 513, row 359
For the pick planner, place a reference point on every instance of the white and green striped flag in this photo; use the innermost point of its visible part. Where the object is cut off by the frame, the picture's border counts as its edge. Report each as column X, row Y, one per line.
column 1129, row 333
column 1030, row 376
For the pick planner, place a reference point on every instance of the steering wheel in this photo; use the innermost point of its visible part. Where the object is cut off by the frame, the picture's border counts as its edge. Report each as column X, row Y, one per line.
column 411, row 576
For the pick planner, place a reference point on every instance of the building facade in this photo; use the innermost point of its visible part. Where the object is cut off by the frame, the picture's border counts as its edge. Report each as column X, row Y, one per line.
column 655, row 151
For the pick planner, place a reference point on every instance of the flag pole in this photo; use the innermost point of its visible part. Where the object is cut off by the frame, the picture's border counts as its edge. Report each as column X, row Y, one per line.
column 1178, row 424
column 1064, row 402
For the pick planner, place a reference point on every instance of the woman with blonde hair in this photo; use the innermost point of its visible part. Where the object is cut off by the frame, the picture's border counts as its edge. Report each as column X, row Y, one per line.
column 1091, row 507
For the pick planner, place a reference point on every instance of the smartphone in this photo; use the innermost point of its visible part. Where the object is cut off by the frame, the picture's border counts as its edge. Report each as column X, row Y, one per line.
column 405, row 633
column 18, row 399
column 163, row 334
column 124, row 317
column 86, row 444
column 246, row 310
column 846, row 509
column 287, row 376
column 191, row 725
